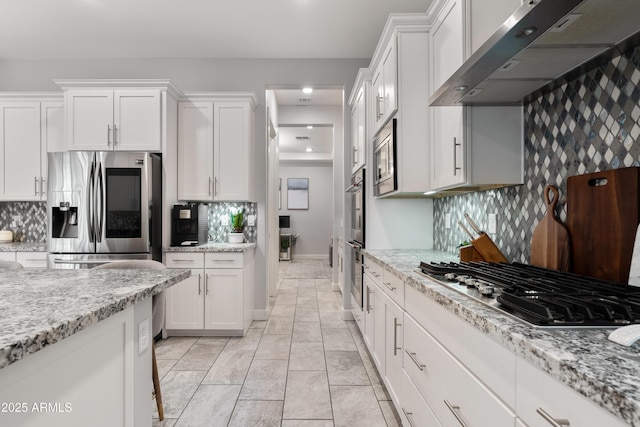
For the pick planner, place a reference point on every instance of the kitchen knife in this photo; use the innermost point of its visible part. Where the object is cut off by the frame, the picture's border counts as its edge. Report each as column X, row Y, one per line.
column 473, row 224
column 466, row 230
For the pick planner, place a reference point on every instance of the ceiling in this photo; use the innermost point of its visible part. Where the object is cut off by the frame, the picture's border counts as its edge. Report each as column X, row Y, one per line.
column 102, row 29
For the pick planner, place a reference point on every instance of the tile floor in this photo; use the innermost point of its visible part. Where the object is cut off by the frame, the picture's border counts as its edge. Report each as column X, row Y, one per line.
column 304, row 367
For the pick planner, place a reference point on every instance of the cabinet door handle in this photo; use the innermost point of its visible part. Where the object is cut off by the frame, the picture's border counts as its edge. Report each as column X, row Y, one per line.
column 368, row 300
column 455, row 410
column 108, row 134
column 455, row 156
column 379, row 100
column 42, row 186
column 199, row 284
column 409, row 416
column 355, row 159
column 215, row 186
column 395, row 336
column 555, row 422
column 206, row 284
column 388, row 285
column 209, row 186
column 115, row 135
column 413, row 358
column 36, row 186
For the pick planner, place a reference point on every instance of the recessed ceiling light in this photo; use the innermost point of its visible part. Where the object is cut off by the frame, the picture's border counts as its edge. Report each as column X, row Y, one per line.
column 461, row 88
column 307, row 90
column 309, row 149
column 309, row 127
column 523, row 34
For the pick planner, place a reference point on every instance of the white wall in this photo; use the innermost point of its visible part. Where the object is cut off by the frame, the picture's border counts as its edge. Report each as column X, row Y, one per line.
column 203, row 75
column 315, row 225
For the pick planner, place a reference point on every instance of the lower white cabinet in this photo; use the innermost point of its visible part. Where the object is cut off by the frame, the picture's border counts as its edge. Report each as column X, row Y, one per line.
column 414, row 411
column 393, row 331
column 368, row 297
column 541, row 400
column 28, row 259
column 218, row 297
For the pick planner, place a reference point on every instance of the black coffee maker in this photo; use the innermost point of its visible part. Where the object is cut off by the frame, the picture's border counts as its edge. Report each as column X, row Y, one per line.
column 189, row 224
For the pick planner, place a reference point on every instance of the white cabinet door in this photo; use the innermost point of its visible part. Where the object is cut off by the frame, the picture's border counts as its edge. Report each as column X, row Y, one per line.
column 414, row 411
column 223, row 299
column 185, row 303
column 369, row 324
column 393, row 348
column 232, row 152
column 137, row 120
column 390, row 75
column 20, row 153
column 89, row 119
column 32, row 259
column 379, row 336
column 195, row 151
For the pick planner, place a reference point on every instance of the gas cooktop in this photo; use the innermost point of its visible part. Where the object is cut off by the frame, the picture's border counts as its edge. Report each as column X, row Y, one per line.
column 541, row 297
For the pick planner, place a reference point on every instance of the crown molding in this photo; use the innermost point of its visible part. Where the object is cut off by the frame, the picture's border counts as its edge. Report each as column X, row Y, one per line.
column 159, row 84
column 221, row 96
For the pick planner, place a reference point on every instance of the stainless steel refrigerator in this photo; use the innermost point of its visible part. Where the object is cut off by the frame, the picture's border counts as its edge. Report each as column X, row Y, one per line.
column 103, row 206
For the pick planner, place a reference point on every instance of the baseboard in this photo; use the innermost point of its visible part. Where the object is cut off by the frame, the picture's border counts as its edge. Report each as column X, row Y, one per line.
column 346, row 315
column 335, row 287
column 260, row 315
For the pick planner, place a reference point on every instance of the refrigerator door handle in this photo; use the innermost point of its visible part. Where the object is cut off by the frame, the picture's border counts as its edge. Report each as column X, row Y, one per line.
column 91, row 202
column 99, row 204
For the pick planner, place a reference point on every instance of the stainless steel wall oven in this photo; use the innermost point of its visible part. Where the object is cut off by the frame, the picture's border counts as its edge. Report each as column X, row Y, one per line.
column 357, row 190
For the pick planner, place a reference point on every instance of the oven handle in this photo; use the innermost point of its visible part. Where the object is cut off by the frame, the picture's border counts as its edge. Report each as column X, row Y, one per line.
column 353, row 187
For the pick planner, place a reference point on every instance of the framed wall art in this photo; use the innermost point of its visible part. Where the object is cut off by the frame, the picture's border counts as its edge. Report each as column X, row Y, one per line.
column 297, row 193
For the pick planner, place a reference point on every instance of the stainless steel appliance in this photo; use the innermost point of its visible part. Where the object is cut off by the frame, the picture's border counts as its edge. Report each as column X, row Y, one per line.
column 189, row 224
column 385, row 179
column 540, row 297
column 103, row 206
column 356, row 243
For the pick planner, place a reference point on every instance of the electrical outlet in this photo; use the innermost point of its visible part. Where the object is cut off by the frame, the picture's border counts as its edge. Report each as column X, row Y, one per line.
column 251, row 220
column 144, row 336
column 447, row 220
column 493, row 223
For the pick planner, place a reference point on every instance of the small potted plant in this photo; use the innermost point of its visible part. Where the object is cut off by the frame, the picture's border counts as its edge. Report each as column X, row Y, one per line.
column 237, row 226
column 284, row 248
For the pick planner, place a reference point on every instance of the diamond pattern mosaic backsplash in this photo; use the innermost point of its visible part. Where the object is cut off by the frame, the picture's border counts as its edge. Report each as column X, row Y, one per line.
column 587, row 125
column 220, row 221
column 32, row 225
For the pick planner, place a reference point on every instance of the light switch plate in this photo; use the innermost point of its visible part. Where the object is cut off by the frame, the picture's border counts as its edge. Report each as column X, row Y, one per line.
column 251, row 220
column 493, row 223
column 447, row 220
column 144, row 336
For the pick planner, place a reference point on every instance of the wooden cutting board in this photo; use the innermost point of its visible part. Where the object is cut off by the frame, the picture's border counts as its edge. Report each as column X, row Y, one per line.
column 550, row 245
column 602, row 217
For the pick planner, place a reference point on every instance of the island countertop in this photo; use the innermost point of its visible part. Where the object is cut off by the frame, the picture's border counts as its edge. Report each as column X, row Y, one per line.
column 583, row 359
column 42, row 307
column 212, row 247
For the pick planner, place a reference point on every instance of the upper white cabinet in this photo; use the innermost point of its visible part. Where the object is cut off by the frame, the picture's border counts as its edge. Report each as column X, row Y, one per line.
column 126, row 119
column 357, row 103
column 384, row 83
column 485, row 18
column 470, row 146
column 215, row 152
column 29, row 127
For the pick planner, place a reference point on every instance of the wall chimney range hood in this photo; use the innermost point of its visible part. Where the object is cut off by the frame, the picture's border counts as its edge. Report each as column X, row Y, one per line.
column 542, row 41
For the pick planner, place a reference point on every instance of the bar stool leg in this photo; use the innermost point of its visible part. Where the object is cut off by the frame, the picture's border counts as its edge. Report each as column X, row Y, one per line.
column 156, row 382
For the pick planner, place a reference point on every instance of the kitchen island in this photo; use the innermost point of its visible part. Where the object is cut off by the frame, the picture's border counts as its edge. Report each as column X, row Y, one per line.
column 598, row 377
column 75, row 346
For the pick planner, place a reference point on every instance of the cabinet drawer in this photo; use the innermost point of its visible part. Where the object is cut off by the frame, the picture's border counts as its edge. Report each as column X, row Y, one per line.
column 223, row 260
column 414, row 411
column 372, row 269
column 537, row 391
column 393, row 286
column 493, row 364
column 7, row 256
column 32, row 259
column 184, row 260
column 453, row 393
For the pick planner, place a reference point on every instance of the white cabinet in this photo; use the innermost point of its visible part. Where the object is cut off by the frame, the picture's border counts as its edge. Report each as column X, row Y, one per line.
column 384, row 83
column 542, row 399
column 29, row 127
column 414, row 411
column 359, row 122
column 368, row 295
column 215, row 151
column 393, row 349
column 28, row 259
column 216, row 299
column 470, row 146
column 105, row 119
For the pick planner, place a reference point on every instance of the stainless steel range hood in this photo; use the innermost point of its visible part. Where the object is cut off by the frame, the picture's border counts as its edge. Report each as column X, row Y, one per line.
column 541, row 42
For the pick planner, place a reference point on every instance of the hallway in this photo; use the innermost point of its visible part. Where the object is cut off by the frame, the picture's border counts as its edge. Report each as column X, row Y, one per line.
column 303, row 367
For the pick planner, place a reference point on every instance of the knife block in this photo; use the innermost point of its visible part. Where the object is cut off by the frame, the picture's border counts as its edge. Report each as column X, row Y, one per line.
column 487, row 249
column 470, row 254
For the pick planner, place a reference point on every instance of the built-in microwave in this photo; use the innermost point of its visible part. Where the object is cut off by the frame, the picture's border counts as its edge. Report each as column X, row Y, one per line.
column 385, row 178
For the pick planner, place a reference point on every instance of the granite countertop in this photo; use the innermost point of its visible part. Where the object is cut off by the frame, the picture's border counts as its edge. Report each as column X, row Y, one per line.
column 212, row 247
column 583, row 359
column 42, row 307
column 23, row 247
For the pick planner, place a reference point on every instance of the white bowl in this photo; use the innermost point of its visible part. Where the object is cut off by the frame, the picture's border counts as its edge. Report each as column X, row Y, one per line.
column 6, row 236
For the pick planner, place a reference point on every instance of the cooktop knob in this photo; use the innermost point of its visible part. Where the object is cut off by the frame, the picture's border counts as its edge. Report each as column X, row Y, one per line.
column 462, row 279
column 471, row 282
column 450, row 276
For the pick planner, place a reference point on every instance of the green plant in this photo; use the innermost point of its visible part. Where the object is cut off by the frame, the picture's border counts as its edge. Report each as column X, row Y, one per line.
column 284, row 244
column 237, row 220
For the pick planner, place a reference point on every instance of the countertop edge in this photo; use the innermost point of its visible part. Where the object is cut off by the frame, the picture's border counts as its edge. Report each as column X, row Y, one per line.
column 211, row 247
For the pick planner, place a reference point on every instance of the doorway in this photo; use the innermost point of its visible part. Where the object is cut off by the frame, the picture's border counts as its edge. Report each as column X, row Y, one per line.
column 306, row 145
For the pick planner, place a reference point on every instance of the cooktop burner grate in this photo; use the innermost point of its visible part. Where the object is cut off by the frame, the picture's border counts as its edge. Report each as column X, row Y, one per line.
column 543, row 297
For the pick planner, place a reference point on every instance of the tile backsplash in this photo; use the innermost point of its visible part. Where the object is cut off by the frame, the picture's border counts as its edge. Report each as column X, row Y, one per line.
column 219, row 221
column 33, row 220
column 587, row 125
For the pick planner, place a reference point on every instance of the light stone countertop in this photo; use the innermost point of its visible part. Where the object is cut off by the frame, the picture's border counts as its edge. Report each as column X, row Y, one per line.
column 42, row 307
column 212, row 247
column 23, row 247
column 582, row 359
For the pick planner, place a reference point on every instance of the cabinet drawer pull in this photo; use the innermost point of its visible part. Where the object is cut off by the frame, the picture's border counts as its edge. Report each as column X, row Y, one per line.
column 555, row 422
column 388, row 285
column 209, row 186
column 36, row 187
column 115, row 135
column 199, row 284
column 409, row 416
column 455, row 409
column 223, row 260
column 184, row 260
column 413, row 357
column 206, row 284
column 369, row 308
column 455, row 156
column 395, row 336
column 108, row 135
